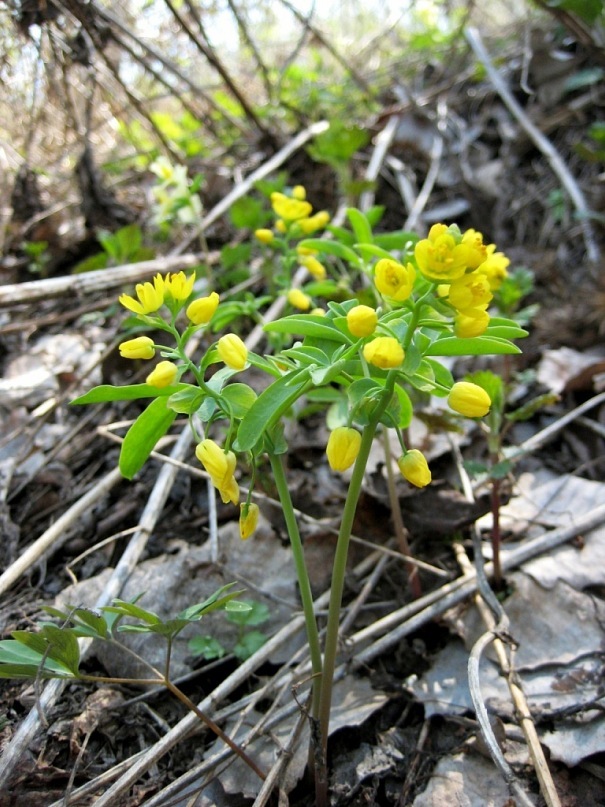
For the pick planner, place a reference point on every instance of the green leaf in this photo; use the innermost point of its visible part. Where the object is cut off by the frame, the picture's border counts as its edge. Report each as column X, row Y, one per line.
column 325, row 375
column 361, row 226
column 240, row 397
column 17, row 660
column 252, row 612
column 92, row 264
column 269, row 407
column 307, row 325
column 207, row 647
column 217, row 600
column 530, row 408
column 396, row 240
column 62, row 647
column 406, row 410
column 132, row 392
column 248, row 212
column 475, row 346
column 142, row 437
column 186, row 400
column 131, row 609
column 368, row 251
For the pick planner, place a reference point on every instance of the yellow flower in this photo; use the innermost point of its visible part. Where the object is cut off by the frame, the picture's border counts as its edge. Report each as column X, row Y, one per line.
column 163, row 375
column 313, row 266
column 151, row 297
column 414, row 468
column 394, row 280
column 384, row 352
column 248, row 519
column 469, row 323
column 264, row 236
column 232, row 351
column 178, row 286
column 299, row 299
column 441, row 256
column 200, row 311
column 343, row 448
column 139, row 348
column 299, row 192
column 494, row 267
column 470, row 291
column 289, row 209
column 474, row 240
column 310, row 224
column 362, row 320
column 469, row 399
column 220, row 465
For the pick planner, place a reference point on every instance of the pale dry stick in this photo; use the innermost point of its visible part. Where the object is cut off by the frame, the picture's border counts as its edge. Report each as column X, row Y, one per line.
column 542, row 437
column 429, row 181
column 382, row 142
column 73, row 286
column 355, row 607
column 496, row 754
column 547, row 786
column 404, row 620
column 272, row 164
column 487, row 614
column 278, row 771
column 58, row 532
column 541, row 142
column 405, row 184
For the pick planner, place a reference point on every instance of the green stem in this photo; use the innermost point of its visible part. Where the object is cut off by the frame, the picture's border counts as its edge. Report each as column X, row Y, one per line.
column 340, row 561
column 277, row 466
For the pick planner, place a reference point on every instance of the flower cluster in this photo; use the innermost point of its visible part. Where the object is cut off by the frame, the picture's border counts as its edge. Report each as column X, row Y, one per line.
column 467, row 270
column 175, row 198
column 295, row 217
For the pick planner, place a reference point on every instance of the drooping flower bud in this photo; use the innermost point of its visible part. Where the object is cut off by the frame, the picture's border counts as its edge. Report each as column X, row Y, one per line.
column 232, row 351
column 248, row 519
column 163, row 375
column 139, row 348
column 469, row 399
column 343, row 447
column 201, row 311
column 414, row 468
column 298, row 299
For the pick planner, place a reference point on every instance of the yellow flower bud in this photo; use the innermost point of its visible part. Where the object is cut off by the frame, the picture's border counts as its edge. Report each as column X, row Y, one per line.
column 313, row 266
column 299, row 299
column 139, row 348
column 151, row 297
column 299, row 192
column 318, row 312
column 362, row 320
column 312, row 223
column 343, row 448
column 201, row 311
column 469, row 399
column 414, row 468
column 232, row 351
column 264, row 236
column 281, row 227
column 163, row 375
column 394, row 280
column 384, row 352
column 248, row 519
column 470, row 323
column 230, row 491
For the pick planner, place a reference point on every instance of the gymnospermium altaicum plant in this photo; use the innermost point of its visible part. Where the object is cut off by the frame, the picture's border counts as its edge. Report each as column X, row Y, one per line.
column 428, row 298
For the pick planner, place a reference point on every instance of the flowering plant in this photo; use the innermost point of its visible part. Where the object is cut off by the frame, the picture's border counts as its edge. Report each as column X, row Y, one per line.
column 401, row 304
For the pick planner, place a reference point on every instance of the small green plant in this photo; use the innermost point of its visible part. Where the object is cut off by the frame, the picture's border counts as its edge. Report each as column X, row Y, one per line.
column 37, row 252
column 53, row 650
column 122, row 247
column 248, row 641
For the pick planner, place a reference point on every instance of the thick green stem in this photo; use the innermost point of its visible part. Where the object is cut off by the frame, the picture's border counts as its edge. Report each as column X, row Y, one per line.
column 304, row 585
